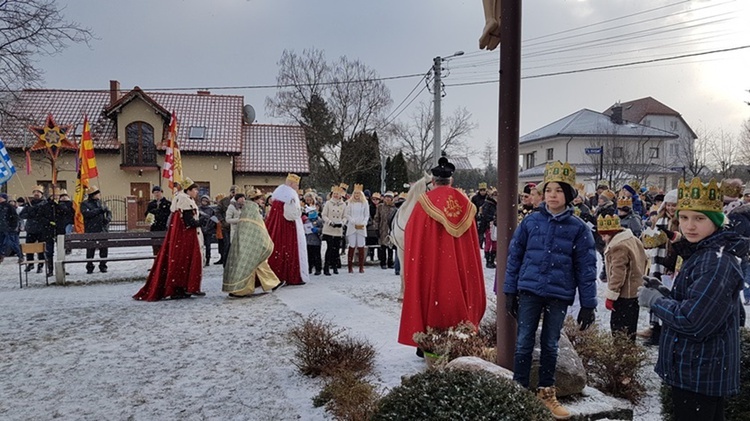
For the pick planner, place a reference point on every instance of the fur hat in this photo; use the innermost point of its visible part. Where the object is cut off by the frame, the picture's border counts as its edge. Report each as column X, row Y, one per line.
column 444, row 168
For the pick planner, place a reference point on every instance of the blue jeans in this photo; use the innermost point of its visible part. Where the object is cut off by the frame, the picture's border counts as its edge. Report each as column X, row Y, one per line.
column 396, row 264
column 746, row 289
column 10, row 241
column 530, row 310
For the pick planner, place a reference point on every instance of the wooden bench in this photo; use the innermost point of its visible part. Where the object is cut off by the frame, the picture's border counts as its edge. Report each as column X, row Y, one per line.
column 108, row 240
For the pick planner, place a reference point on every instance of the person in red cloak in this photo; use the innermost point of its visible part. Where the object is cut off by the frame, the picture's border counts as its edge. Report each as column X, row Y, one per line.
column 178, row 267
column 443, row 270
column 284, row 224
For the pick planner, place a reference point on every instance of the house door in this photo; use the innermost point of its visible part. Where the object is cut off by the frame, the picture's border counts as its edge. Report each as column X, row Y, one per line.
column 142, row 193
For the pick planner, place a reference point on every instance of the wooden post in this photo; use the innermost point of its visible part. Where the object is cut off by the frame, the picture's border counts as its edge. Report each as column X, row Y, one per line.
column 507, row 166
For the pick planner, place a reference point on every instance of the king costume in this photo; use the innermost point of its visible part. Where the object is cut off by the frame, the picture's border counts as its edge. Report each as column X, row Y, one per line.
column 284, row 223
column 247, row 260
column 178, row 268
column 442, row 267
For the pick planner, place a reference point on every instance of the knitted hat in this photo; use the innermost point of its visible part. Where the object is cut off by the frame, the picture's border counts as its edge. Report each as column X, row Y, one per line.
column 671, row 196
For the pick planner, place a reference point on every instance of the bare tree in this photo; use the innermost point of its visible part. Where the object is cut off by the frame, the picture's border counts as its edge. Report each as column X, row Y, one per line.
column 31, row 28
column 415, row 136
column 626, row 159
column 723, row 150
column 350, row 91
column 744, row 139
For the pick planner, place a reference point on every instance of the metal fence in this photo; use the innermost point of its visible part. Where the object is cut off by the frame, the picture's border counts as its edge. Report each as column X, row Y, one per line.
column 118, row 205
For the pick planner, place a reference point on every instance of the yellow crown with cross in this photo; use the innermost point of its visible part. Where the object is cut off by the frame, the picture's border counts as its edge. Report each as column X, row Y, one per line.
column 560, row 173
column 358, row 187
column 608, row 223
column 653, row 238
column 624, row 201
column 697, row 196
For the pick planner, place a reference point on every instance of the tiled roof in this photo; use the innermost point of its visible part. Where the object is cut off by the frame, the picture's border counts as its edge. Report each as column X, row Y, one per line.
column 461, row 162
column 587, row 123
column 221, row 115
column 273, row 149
column 636, row 110
column 68, row 108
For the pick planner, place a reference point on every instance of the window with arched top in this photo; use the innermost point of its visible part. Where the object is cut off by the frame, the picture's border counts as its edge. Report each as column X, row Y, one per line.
column 139, row 144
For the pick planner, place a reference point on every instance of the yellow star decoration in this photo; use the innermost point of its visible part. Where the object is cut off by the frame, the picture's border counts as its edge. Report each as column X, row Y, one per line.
column 52, row 137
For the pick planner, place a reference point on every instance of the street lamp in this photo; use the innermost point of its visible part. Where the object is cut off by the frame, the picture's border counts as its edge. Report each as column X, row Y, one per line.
column 437, row 69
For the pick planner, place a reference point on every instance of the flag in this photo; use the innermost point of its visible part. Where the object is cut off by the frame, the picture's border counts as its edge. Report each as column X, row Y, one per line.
column 6, row 165
column 86, row 170
column 28, row 162
column 172, row 160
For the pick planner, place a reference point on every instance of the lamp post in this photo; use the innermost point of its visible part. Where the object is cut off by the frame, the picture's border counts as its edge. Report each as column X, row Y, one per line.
column 437, row 69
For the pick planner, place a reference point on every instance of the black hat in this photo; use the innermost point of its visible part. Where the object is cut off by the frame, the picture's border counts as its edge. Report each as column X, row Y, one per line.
column 444, row 168
column 155, row 189
column 659, row 198
column 527, row 188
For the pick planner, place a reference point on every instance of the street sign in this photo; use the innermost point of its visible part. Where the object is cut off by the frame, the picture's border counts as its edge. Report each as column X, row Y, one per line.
column 677, row 168
column 594, row 151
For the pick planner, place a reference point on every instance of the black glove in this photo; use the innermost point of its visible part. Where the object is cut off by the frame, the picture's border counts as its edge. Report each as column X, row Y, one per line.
column 654, row 283
column 511, row 305
column 671, row 235
column 586, row 317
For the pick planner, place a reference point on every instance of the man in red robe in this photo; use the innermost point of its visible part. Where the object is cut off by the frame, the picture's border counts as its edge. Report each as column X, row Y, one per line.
column 442, row 268
column 284, row 224
column 178, row 268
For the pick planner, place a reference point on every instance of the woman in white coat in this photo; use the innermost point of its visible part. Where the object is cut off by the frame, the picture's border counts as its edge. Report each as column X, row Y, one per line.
column 357, row 214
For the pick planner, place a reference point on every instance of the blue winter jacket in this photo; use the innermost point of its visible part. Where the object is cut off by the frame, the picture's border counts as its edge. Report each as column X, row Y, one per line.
column 552, row 256
column 700, row 340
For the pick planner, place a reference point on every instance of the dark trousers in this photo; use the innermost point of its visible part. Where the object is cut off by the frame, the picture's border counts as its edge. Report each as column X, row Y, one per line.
column 103, row 252
column 530, row 310
column 207, row 245
column 691, row 406
column 156, row 249
column 625, row 316
column 313, row 259
column 333, row 244
column 37, row 238
column 386, row 256
column 9, row 242
column 224, row 250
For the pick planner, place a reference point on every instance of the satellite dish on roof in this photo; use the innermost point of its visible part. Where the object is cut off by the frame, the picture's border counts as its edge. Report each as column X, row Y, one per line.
column 248, row 112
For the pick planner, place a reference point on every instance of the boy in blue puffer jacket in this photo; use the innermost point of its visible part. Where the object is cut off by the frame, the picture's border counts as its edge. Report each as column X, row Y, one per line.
column 552, row 254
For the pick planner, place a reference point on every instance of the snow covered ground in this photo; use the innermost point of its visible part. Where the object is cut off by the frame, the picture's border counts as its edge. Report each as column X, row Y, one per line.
column 88, row 351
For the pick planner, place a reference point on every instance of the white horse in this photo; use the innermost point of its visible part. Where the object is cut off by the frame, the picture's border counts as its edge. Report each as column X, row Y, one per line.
column 398, row 223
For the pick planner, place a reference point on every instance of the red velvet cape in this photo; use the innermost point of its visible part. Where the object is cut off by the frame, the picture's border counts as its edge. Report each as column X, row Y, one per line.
column 443, row 274
column 178, row 267
column 284, row 260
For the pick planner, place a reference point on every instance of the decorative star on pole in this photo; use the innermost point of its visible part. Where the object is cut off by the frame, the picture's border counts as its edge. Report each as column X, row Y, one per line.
column 52, row 137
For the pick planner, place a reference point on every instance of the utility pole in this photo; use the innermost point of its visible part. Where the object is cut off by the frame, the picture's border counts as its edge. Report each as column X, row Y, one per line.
column 437, row 88
column 438, row 94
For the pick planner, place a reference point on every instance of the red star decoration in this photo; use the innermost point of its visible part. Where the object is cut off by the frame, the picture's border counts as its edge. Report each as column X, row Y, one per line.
column 52, row 137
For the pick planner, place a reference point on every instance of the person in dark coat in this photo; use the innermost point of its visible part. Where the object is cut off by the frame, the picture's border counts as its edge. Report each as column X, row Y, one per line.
column 739, row 221
column 96, row 218
column 699, row 348
column 207, row 219
column 40, row 227
column 9, row 221
column 478, row 200
column 159, row 208
column 65, row 213
column 221, row 211
column 488, row 220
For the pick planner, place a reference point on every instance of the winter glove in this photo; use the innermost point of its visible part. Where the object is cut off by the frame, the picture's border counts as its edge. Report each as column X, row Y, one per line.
column 609, row 304
column 648, row 296
column 586, row 317
column 511, row 305
column 655, row 283
column 671, row 235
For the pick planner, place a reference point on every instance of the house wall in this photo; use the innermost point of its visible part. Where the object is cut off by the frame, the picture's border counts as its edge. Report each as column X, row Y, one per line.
column 138, row 110
column 683, row 145
column 267, row 184
column 213, row 169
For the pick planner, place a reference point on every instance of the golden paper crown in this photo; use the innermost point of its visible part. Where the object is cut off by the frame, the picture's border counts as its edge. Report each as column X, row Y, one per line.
column 377, row 195
column 186, row 183
column 358, row 187
column 697, row 196
column 731, row 188
column 624, row 201
column 482, row 186
column 559, row 173
column 344, row 187
column 581, row 188
column 38, row 188
column 636, row 185
column 653, row 189
column 254, row 193
column 653, row 238
column 309, row 190
column 608, row 223
column 294, row 178
column 403, row 195
column 335, row 189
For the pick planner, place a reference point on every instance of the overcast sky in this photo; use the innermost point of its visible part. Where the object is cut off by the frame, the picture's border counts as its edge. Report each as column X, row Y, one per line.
column 220, row 43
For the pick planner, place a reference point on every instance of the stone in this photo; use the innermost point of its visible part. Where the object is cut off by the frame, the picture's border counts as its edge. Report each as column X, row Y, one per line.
column 570, row 376
column 478, row 364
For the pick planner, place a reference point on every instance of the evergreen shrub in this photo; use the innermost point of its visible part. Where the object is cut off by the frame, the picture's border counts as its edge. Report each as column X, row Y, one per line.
column 439, row 395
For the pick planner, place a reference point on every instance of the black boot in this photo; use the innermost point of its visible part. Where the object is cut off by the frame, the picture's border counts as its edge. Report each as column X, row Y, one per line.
column 492, row 263
column 326, row 270
column 487, row 263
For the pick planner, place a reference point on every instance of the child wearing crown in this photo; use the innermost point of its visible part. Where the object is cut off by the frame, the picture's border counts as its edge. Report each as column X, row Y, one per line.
column 628, row 218
column 699, row 345
column 626, row 263
column 551, row 256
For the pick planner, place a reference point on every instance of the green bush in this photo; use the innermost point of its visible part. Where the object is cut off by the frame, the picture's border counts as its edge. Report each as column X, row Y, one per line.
column 438, row 395
column 738, row 407
column 613, row 363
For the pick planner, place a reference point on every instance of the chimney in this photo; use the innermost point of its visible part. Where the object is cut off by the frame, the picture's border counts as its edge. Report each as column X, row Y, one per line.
column 616, row 113
column 114, row 91
column 204, row 93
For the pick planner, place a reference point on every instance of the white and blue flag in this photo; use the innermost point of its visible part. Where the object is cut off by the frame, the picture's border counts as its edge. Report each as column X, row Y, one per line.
column 6, row 165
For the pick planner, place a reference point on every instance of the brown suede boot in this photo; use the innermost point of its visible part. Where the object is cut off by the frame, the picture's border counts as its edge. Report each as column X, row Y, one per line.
column 548, row 396
column 350, row 260
column 361, row 251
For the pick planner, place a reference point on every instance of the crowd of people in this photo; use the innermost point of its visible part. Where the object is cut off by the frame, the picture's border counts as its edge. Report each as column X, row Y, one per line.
column 680, row 254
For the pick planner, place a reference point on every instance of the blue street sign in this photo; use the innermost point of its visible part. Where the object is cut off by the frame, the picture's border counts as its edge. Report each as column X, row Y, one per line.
column 594, row 151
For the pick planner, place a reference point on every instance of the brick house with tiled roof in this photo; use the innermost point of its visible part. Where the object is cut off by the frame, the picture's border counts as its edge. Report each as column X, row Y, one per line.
column 218, row 148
